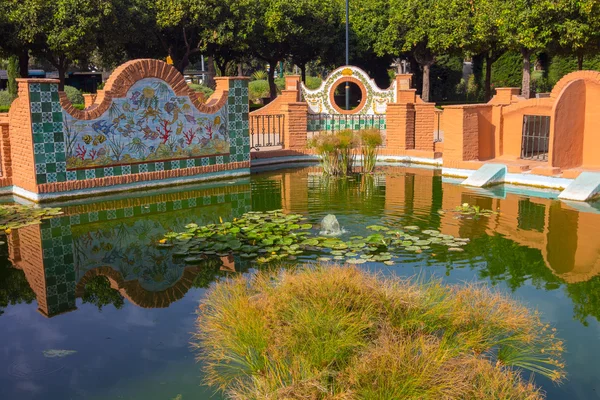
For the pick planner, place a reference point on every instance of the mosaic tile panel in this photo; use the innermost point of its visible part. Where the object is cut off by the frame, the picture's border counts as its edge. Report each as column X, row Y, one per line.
column 51, row 125
column 335, row 123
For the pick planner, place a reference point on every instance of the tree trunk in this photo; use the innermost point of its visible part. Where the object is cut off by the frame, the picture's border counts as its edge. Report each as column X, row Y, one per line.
column 526, row 82
column 487, row 95
column 61, row 77
column 580, row 61
column 425, row 90
column 24, row 64
column 272, row 86
column 240, row 69
column 210, row 72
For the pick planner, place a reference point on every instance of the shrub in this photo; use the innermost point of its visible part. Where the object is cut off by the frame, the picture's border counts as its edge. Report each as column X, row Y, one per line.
column 74, row 95
column 258, row 89
column 205, row 90
column 342, row 333
column 259, row 75
column 370, row 139
column 507, row 71
column 313, row 82
column 5, row 99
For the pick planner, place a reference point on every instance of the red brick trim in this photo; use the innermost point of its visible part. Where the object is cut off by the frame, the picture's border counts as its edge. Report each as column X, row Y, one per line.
column 363, row 99
column 141, row 177
column 126, row 75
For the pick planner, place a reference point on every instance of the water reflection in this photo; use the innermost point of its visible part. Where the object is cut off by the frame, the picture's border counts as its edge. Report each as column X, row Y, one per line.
column 104, row 252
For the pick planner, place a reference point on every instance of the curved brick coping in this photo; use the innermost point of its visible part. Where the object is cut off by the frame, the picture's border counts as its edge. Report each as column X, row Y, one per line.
column 590, row 76
column 127, row 75
column 363, row 93
column 140, row 177
column 135, row 293
column 153, row 199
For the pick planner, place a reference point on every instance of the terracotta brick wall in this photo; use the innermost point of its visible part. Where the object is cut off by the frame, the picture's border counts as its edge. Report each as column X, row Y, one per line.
column 21, row 143
column 5, row 156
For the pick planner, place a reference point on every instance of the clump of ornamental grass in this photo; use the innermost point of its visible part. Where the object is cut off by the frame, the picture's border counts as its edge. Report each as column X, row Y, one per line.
column 370, row 140
column 335, row 151
column 336, row 332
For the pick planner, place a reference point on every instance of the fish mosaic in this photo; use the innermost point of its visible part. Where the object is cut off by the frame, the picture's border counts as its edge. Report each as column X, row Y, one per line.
column 150, row 124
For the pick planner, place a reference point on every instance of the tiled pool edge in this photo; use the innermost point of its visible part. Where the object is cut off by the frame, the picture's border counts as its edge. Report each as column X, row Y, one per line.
column 137, row 186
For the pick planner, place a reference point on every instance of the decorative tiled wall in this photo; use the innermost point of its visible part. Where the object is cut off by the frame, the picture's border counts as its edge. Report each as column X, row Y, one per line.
column 147, row 125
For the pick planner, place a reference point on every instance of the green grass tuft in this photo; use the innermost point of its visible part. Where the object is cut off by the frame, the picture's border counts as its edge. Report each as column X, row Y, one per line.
column 339, row 332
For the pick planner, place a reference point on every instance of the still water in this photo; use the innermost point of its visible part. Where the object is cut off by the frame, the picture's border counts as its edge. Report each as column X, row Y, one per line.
column 90, row 308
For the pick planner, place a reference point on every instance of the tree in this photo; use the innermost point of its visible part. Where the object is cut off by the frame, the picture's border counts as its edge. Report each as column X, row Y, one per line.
column 320, row 34
column 527, row 26
column 11, row 44
column 484, row 39
column 579, row 28
column 426, row 28
column 13, row 72
column 61, row 31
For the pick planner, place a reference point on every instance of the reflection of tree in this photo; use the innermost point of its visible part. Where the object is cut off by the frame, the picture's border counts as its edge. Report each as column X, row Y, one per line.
column 586, row 299
column 507, row 261
column 14, row 288
column 97, row 291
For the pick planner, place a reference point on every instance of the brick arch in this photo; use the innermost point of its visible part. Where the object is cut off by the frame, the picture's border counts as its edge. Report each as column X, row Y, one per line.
column 135, row 293
column 126, row 75
column 589, row 76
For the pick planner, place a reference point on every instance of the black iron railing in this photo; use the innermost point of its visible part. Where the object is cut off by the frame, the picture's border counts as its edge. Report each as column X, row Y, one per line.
column 266, row 130
column 536, row 137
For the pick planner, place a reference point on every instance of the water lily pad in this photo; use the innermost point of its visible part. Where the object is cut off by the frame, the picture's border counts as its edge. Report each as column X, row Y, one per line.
column 377, row 228
column 456, row 249
column 55, row 353
column 356, row 261
column 389, row 262
column 412, row 228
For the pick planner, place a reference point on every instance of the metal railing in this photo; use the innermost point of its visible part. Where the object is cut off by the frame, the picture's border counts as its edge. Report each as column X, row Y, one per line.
column 536, row 137
column 266, row 130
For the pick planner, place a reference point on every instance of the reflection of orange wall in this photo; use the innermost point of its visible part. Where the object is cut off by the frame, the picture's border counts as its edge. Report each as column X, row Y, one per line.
column 26, row 253
column 562, row 238
column 568, row 127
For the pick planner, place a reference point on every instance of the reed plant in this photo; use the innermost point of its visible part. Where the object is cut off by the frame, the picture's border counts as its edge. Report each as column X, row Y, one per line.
column 337, row 332
column 335, row 151
column 370, row 140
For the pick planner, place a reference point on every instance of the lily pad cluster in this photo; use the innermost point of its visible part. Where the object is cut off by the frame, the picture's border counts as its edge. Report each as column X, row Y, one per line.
column 467, row 210
column 273, row 235
column 17, row 216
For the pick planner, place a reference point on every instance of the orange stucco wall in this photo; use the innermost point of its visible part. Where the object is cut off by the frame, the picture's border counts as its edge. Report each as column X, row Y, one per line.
column 591, row 139
column 568, row 127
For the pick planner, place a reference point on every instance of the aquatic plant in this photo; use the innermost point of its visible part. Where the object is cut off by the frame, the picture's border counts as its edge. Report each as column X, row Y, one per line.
column 370, row 140
column 467, row 210
column 273, row 235
column 17, row 216
column 335, row 151
column 341, row 333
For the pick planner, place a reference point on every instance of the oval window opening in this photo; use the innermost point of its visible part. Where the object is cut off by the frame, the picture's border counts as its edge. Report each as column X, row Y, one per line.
column 355, row 98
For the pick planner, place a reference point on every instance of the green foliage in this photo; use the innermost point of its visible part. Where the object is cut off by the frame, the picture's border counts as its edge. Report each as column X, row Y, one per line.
column 506, row 71
column 446, row 74
column 561, row 65
column 259, row 75
column 17, row 216
column 370, row 140
column 339, row 332
column 74, row 95
column 313, row 82
column 98, row 292
column 258, row 90
column 205, row 90
column 14, row 288
column 5, row 100
column 13, row 73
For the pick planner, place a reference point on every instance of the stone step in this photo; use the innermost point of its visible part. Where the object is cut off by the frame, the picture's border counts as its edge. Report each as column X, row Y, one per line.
column 487, row 175
column 585, row 187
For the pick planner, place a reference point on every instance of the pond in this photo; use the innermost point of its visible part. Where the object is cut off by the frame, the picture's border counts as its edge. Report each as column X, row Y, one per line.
column 91, row 308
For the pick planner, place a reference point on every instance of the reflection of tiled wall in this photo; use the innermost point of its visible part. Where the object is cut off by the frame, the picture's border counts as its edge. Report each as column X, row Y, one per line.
column 49, row 111
column 49, row 258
